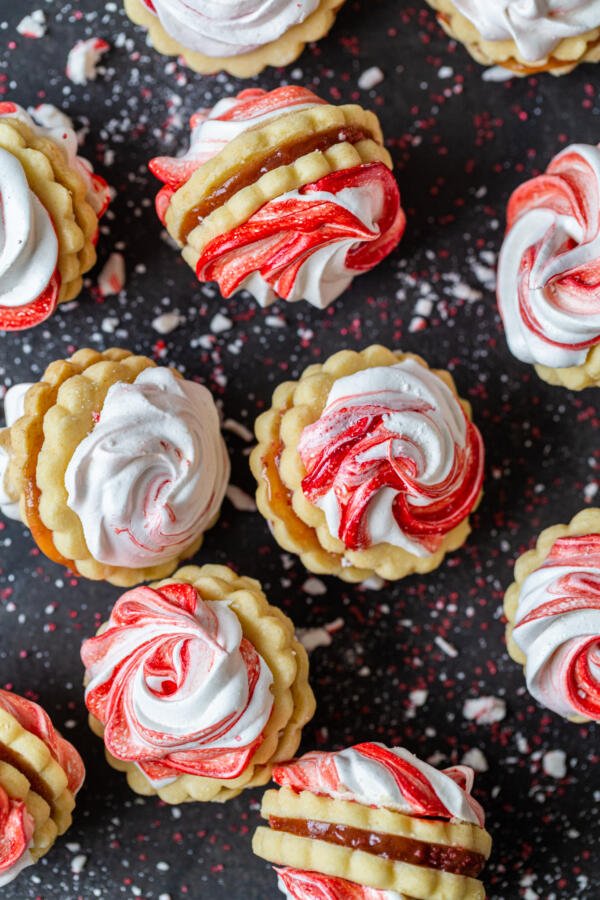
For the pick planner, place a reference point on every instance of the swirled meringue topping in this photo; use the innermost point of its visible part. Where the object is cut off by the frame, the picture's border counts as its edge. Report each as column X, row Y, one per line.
column 549, row 265
column 16, row 836
column 392, row 459
column 536, row 26
column 299, row 884
column 150, row 476
column 14, row 402
column 34, row 719
column 392, row 778
column 229, row 27
column 49, row 122
column 28, row 242
column 177, row 686
column 557, row 626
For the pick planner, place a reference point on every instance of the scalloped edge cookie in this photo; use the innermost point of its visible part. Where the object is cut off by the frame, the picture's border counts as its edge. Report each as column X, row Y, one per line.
column 568, row 54
column 280, row 52
column 285, row 849
column 272, row 634
column 62, row 192
column 303, row 529
column 575, row 378
column 587, row 521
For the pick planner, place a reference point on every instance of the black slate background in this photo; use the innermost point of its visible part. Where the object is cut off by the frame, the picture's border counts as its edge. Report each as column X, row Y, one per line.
column 460, row 146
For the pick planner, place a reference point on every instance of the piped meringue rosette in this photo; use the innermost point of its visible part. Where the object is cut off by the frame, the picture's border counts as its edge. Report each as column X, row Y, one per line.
column 549, row 270
column 282, row 195
column 51, row 202
column 197, row 686
column 238, row 36
column 373, row 823
column 40, row 774
column 117, row 466
column 525, row 36
column 369, row 464
column 553, row 612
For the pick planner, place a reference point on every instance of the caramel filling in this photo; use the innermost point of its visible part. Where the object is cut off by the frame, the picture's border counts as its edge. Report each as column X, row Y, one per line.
column 41, row 535
column 280, row 498
column 442, row 857
column 283, row 156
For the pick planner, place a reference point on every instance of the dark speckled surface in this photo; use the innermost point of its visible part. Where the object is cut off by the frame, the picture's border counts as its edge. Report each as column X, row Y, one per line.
column 460, row 145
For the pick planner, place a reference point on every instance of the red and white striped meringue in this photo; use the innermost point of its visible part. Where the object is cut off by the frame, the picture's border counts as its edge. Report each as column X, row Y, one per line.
column 307, row 244
column 549, row 265
column 228, row 27
column 298, row 884
column 392, row 459
column 557, row 626
column 177, row 686
column 34, row 719
column 16, row 835
column 393, row 778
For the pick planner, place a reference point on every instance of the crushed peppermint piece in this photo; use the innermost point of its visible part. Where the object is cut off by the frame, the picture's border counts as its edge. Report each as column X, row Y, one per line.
column 475, row 759
column 314, row 586
column 448, row 649
column 554, row 763
column 220, row 323
column 33, row 25
column 485, row 710
column 370, row 78
column 418, row 697
column 167, row 322
column 83, row 59
column 111, row 279
column 311, row 638
column 240, row 499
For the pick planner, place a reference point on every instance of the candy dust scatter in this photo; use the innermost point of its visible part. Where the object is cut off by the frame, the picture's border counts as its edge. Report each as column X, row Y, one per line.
column 240, row 499
column 83, row 59
column 485, row 710
column 111, row 279
column 555, row 763
column 311, row 638
column 370, row 78
column 33, row 25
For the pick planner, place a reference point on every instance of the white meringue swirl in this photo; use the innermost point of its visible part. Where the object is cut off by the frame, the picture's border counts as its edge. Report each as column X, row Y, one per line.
column 28, row 242
column 229, row 27
column 536, row 26
column 151, row 475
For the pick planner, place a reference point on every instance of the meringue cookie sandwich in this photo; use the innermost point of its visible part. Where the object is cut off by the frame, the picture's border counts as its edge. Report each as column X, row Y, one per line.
column 553, row 612
column 51, row 203
column 373, row 823
column 117, row 466
column 197, row 686
column 368, row 465
column 549, row 270
column 236, row 36
column 282, row 195
column 525, row 36
column 40, row 774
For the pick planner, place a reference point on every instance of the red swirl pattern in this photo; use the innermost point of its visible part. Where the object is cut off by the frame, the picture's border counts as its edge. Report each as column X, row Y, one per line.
column 318, row 772
column 338, row 454
column 303, row 885
column 16, row 831
column 576, row 591
column 167, row 643
column 279, row 239
column 34, row 719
